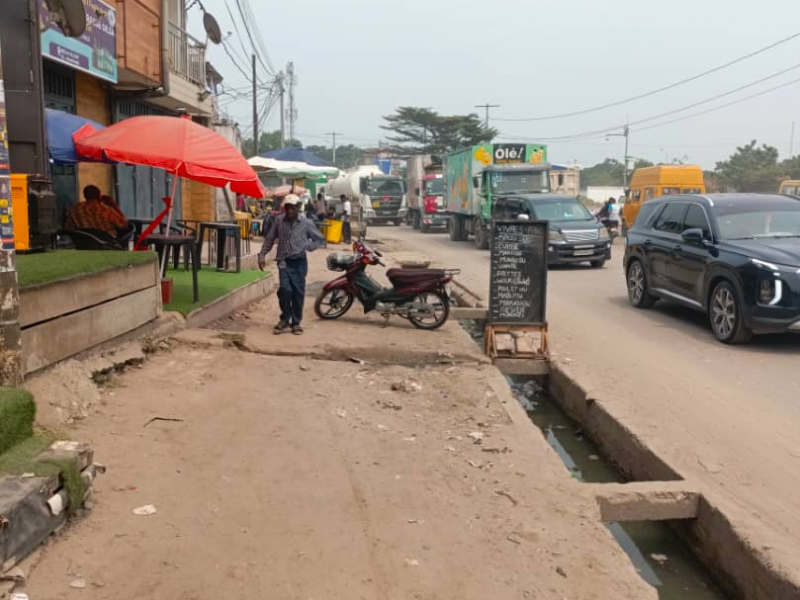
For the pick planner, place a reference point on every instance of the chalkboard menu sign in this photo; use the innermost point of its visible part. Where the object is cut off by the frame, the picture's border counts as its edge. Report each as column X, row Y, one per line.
column 518, row 284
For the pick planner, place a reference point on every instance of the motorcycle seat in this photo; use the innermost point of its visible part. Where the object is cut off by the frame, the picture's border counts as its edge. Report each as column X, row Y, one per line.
column 411, row 276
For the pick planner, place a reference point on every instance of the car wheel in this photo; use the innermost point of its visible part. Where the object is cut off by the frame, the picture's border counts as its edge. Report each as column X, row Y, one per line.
column 598, row 264
column 725, row 315
column 481, row 236
column 638, row 289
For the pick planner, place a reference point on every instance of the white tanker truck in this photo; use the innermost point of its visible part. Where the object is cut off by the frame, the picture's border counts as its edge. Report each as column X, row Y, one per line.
column 374, row 196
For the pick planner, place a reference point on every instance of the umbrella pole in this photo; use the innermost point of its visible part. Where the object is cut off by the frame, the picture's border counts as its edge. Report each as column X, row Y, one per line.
column 169, row 222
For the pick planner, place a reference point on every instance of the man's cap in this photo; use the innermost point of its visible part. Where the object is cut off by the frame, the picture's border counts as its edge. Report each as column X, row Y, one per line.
column 291, row 200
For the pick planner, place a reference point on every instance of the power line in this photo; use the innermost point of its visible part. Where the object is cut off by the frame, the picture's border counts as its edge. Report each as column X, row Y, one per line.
column 234, row 61
column 486, row 106
column 661, row 89
column 247, row 20
column 602, row 132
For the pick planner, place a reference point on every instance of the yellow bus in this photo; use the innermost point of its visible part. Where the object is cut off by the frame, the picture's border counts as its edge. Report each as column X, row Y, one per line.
column 653, row 182
column 790, row 186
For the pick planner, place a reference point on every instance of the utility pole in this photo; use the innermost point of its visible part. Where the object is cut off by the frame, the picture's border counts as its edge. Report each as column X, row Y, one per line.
column 283, row 115
column 626, row 134
column 334, row 134
column 292, row 111
column 791, row 142
column 487, row 106
column 11, row 372
column 255, row 109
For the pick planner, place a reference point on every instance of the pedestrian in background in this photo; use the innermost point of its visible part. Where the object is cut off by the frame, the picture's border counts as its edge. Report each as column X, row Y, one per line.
column 347, row 211
column 320, row 207
column 295, row 235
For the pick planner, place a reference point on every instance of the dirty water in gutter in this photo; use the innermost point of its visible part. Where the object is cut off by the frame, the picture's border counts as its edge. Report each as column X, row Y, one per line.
column 657, row 554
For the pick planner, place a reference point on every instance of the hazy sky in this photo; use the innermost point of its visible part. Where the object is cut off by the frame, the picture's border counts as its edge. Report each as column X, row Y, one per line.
column 357, row 60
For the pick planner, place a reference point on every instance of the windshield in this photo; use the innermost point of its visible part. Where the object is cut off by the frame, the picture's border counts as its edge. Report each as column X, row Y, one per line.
column 520, row 182
column 759, row 219
column 561, row 209
column 385, row 187
column 434, row 187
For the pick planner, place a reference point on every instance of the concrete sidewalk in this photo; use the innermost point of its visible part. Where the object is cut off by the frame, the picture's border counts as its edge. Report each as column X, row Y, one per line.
column 414, row 474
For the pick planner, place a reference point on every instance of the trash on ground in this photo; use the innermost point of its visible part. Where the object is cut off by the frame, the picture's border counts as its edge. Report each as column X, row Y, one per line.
column 660, row 558
column 472, row 463
column 163, row 419
column 477, row 436
column 412, row 562
column 505, row 494
column 408, row 386
column 413, row 438
column 341, row 413
column 78, row 583
column 145, row 511
column 19, row 596
column 560, row 571
column 382, row 427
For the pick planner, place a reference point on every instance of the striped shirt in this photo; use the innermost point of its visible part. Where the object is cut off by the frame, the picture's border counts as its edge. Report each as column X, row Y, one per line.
column 294, row 238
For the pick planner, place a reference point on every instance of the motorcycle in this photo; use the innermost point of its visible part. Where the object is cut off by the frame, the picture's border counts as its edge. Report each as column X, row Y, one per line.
column 419, row 295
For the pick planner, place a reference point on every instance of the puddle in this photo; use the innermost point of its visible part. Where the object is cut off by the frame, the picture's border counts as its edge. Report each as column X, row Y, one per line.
column 674, row 571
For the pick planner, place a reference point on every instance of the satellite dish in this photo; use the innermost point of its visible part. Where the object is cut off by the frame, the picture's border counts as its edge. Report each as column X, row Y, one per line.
column 213, row 31
column 69, row 15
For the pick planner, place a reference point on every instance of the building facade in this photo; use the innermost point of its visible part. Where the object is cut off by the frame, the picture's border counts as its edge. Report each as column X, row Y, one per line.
column 135, row 58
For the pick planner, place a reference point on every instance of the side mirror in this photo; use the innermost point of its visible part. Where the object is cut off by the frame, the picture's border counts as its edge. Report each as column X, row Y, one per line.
column 476, row 182
column 693, row 236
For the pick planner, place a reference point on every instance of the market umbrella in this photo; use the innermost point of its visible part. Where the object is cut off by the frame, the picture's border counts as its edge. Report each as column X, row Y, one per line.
column 175, row 144
column 291, row 169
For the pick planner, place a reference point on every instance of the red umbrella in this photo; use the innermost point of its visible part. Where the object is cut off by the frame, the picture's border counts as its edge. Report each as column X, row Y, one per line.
column 175, row 144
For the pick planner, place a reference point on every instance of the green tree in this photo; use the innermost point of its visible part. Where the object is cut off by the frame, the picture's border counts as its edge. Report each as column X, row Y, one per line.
column 608, row 173
column 347, row 156
column 267, row 141
column 790, row 168
column 424, row 131
column 750, row 169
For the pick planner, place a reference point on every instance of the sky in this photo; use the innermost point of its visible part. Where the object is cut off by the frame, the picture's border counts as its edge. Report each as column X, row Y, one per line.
column 358, row 60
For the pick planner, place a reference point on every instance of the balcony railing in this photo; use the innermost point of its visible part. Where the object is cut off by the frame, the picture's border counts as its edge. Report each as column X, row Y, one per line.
column 187, row 56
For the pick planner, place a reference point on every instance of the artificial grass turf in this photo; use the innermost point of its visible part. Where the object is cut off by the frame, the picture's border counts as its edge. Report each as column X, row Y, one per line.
column 46, row 267
column 212, row 285
column 17, row 413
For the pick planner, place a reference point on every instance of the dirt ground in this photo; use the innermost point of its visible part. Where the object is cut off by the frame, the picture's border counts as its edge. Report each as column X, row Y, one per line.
column 412, row 475
column 724, row 417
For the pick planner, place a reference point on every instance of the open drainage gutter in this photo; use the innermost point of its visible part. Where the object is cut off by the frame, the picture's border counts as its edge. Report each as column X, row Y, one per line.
column 661, row 558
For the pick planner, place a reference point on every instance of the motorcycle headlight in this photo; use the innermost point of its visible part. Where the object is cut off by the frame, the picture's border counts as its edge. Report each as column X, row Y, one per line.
column 556, row 236
column 603, row 233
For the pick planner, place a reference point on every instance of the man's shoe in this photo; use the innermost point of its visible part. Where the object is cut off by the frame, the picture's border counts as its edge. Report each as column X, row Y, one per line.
column 281, row 327
column 297, row 330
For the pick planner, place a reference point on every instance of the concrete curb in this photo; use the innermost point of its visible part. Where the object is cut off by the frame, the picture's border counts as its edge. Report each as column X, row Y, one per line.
column 738, row 566
column 231, row 302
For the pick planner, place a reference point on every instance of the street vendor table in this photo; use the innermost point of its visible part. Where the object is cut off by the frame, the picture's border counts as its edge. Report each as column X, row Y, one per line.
column 224, row 231
column 165, row 243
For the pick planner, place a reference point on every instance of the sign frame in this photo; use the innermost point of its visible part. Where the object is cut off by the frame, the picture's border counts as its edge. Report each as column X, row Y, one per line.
column 95, row 49
column 543, row 231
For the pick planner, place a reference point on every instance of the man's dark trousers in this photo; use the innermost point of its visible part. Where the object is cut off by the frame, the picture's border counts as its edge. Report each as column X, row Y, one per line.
column 292, row 290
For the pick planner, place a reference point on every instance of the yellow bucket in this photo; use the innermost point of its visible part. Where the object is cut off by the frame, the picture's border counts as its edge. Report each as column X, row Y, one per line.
column 333, row 231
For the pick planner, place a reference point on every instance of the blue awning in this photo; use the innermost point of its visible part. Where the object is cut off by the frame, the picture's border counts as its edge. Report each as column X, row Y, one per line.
column 60, row 127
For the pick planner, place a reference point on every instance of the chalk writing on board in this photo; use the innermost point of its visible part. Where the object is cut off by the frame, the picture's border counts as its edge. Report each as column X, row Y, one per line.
column 519, row 272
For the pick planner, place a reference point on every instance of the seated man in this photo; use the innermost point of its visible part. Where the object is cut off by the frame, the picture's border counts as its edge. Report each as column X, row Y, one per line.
column 94, row 214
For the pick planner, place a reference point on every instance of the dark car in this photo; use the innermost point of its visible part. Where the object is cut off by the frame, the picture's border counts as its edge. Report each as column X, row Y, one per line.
column 575, row 235
column 735, row 257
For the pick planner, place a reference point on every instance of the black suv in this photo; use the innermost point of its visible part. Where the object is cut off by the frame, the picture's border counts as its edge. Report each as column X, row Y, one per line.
column 734, row 256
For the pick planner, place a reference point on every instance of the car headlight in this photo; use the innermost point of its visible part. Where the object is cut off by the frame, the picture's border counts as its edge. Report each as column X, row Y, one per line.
column 603, row 233
column 555, row 236
column 774, row 267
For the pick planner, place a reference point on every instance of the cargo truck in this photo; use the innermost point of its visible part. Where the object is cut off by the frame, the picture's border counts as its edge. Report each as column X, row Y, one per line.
column 374, row 196
column 425, row 185
column 476, row 177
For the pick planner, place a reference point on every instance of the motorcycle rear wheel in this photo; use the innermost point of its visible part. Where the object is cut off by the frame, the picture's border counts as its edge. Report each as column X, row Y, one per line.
column 441, row 311
column 333, row 303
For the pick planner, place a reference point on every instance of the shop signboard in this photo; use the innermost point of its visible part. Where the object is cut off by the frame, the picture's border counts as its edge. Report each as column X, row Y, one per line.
column 94, row 52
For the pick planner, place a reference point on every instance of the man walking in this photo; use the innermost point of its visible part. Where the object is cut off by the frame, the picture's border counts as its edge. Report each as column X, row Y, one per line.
column 347, row 211
column 295, row 235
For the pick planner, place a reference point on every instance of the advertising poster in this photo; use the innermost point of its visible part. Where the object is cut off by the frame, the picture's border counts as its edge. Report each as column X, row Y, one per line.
column 94, row 52
column 6, row 216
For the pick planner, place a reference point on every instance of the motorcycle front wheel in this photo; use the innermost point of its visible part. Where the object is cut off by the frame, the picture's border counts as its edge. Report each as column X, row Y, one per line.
column 333, row 303
column 441, row 310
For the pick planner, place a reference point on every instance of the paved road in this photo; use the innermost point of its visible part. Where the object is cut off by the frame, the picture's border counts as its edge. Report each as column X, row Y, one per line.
column 728, row 417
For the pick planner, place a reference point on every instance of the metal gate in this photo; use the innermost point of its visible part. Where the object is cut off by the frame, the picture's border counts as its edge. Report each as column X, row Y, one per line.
column 140, row 189
column 59, row 94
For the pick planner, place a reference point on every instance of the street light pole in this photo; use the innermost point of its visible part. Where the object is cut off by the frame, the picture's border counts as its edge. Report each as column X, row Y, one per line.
column 487, row 106
column 334, row 134
column 626, row 134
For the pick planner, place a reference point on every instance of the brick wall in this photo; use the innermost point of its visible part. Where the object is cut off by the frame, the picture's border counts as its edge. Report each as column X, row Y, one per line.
column 92, row 103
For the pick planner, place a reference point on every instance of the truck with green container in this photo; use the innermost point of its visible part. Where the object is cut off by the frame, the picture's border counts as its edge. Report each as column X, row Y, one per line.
column 476, row 177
